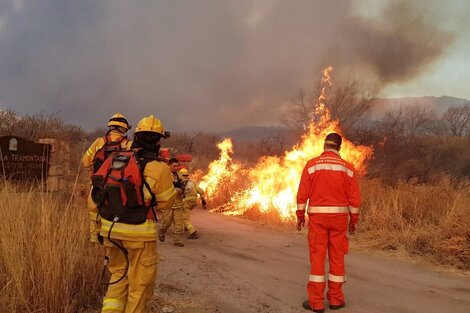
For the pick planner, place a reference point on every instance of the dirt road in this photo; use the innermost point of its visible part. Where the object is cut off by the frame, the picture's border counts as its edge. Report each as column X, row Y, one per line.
column 239, row 267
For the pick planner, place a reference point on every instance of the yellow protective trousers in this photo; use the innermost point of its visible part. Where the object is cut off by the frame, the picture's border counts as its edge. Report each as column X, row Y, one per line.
column 133, row 293
column 188, row 225
column 173, row 216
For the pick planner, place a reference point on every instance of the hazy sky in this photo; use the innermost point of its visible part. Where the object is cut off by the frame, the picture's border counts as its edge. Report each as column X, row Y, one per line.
column 216, row 65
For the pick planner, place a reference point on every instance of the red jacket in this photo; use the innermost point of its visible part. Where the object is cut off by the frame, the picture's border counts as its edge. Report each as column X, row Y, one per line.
column 330, row 185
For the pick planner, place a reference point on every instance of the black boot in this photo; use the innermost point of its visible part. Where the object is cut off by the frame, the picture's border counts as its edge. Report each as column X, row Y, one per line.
column 306, row 306
column 161, row 235
column 193, row 235
column 337, row 307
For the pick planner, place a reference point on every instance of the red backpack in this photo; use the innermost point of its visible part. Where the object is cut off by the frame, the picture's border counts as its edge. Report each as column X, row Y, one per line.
column 118, row 189
column 102, row 154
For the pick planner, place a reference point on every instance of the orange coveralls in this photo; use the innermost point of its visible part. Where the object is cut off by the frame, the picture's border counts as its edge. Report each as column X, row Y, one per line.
column 330, row 186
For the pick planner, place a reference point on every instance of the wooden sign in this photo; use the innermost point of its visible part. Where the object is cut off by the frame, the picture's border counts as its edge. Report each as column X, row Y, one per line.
column 21, row 159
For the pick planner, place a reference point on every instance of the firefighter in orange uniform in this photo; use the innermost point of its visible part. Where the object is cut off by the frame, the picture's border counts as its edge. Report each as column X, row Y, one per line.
column 130, row 237
column 329, row 185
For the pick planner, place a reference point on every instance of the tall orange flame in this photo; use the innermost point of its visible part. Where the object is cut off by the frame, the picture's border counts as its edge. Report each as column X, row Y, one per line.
column 271, row 185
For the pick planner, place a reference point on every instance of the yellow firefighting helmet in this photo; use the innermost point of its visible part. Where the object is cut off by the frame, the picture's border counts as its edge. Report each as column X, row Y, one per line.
column 119, row 120
column 150, row 124
column 184, row 173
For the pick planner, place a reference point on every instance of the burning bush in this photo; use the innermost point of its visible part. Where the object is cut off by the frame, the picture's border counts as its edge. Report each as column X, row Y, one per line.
column 271, row 184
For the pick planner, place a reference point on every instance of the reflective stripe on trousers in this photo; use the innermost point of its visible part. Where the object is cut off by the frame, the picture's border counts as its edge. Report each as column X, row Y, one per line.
column 331, row 277
column 113, row 305
column 328, row 209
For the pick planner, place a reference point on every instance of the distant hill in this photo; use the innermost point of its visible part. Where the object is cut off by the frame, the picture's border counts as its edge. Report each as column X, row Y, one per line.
column 438, row 104
column 253, row 134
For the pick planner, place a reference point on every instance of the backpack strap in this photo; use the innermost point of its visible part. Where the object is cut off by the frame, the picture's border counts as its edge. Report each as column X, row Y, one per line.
column 153, row 201
column 142, row 161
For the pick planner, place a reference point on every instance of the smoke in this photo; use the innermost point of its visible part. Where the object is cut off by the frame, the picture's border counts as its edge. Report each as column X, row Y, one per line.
column 208, row 65
column 395, row 46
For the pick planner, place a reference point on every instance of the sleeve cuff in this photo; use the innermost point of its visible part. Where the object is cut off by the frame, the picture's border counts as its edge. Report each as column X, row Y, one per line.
column 301, row 207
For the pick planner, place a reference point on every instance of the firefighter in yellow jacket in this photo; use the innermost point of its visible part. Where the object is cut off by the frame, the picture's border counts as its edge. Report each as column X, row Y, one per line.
column 174, row 215
column 133, row 273
column 191, row 190
column 115, row 139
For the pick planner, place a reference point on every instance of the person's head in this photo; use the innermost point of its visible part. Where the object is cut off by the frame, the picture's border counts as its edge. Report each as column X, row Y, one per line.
column 184, row 174
column 119, row 123
column 174, row 165
column 333, row 141
column 148, row 133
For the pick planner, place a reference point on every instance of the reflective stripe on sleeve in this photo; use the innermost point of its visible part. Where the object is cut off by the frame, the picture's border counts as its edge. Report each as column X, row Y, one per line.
column 114, row 305
column 317, row 278
column 336, row 279
column 165, row 195
column 330, row 167
column 353, row 210
column 328, row 209
column 301, row 206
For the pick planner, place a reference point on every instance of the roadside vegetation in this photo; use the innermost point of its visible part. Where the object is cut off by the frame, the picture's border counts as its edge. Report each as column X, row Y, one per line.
column 431, row 222
column 46, row 261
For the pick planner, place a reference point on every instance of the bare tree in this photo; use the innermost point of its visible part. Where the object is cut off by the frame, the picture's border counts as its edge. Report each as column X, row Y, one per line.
column 183, row 142
column 8, row 120
column 345, row 102
column 273, row 144
column 456, row 121
column 39, row 125
column 408, row 121
column 349, row 104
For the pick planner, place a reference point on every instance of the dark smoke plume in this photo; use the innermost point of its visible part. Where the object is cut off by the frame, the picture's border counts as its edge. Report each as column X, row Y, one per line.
column 209, row 65
column 396, row 46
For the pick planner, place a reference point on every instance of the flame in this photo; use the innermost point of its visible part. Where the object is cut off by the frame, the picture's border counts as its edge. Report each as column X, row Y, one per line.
column 220, row 169
column 271, row 184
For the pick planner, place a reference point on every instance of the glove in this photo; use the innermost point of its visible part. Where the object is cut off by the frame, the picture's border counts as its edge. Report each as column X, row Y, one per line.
column 352, row 228
column 178, row 184
column 300, row 219
column 203, row 202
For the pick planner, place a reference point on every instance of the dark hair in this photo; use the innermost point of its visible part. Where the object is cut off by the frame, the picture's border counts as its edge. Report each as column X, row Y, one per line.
column 333, row 140
column 173, row 160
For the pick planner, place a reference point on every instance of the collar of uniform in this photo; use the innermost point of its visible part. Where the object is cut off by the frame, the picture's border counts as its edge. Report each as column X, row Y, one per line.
column 331, row 150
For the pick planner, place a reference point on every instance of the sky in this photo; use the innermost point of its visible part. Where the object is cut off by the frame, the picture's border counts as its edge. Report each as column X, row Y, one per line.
column 215, row 65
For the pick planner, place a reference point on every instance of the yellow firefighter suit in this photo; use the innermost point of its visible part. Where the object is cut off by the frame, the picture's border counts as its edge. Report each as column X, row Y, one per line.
column 114, row 135
column 133, row 293
column 88, row 160
column 174, row 215
column 190, row 202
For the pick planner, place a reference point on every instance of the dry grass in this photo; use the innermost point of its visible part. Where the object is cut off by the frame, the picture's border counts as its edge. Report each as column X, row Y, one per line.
column 46, row 262
column 432, row 222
